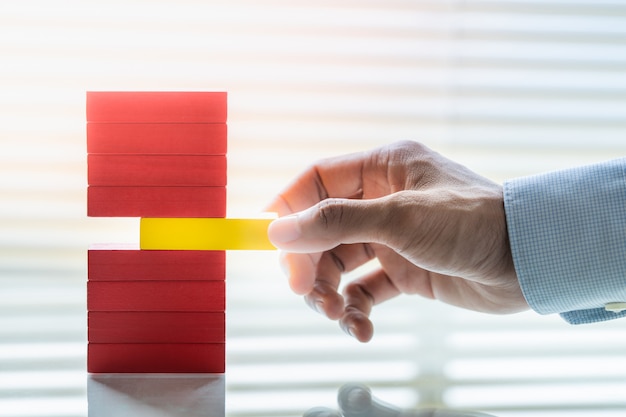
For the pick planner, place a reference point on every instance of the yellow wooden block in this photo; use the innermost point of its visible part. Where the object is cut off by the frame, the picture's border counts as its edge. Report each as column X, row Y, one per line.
column 204, row 234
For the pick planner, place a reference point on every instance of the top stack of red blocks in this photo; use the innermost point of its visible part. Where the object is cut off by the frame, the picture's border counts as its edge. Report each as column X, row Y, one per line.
column 156, row 154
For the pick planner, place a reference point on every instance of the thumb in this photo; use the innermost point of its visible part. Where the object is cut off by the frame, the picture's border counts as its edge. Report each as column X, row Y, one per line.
column 328, row 224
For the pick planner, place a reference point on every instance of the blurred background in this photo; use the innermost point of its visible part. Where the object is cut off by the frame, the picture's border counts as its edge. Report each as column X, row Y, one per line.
column 506, row 87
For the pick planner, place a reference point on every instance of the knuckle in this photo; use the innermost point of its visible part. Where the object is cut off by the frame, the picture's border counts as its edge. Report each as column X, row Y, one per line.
column 330, row 213
column 358, row 294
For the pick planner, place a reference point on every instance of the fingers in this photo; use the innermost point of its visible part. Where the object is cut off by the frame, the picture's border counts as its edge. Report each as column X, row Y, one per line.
column 333, row 177
column 359, row 298
column 300, row 270
column 305, row 270
column 322, row 245
column 355, row 175
column 323, row 296
column 318, row 276
column 354, row 307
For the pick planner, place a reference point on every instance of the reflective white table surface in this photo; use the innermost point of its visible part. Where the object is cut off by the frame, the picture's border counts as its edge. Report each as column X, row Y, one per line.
column 156, row 395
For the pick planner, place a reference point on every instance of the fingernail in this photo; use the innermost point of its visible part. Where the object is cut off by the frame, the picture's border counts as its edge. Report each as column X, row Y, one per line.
column 284, row 229
column 349, row 330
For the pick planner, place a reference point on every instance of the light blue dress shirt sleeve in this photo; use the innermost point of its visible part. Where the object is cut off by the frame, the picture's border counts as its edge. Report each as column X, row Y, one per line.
column 568, row 239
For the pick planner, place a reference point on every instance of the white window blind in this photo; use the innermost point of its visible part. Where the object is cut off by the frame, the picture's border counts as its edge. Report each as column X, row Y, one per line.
column 507, row 87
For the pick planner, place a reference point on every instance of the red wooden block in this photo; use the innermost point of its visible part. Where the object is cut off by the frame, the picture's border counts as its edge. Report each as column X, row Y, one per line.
column 156, row 327
column 156, row 170
column 116, row 262
column 156, row 201
column 156, row 296
column 156, row 358
column 156, row 107
column 157, row 138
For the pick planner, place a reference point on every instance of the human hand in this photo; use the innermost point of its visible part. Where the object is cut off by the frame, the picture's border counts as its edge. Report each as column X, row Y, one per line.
column 437, row 229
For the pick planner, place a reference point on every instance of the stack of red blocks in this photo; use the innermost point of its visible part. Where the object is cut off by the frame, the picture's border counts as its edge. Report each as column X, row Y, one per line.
column 156, row 154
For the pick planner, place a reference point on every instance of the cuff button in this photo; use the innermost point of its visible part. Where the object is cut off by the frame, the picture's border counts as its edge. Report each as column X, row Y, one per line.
column 616, row 307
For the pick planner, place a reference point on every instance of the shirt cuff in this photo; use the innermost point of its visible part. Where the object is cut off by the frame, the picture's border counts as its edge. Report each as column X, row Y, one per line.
column 567, row 231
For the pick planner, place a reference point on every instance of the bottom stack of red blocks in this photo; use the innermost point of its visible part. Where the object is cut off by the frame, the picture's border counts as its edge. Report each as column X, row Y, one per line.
column 155, row 311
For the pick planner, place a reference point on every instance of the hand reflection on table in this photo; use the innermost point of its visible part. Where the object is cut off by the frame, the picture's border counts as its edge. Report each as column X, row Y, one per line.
column 356, row 400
